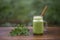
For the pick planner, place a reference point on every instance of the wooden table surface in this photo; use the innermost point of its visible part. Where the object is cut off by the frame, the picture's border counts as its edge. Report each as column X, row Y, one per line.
column 53, row 33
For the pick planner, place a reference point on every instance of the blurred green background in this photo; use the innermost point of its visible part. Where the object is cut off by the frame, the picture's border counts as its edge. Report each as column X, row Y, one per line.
column 14, row 12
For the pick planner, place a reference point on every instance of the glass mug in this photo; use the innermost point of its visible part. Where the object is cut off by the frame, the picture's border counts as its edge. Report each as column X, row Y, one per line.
column 39, row 25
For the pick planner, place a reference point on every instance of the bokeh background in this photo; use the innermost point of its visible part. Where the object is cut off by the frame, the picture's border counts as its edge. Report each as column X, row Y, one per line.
column 13, row 12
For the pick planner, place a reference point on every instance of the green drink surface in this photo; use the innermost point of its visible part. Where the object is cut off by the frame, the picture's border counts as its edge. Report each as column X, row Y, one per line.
column 38, row 27
column 37, row 18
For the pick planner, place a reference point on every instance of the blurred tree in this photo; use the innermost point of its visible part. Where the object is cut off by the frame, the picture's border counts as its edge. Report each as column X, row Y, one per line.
column 53, row 14
column 26, row 9
column 15, row 9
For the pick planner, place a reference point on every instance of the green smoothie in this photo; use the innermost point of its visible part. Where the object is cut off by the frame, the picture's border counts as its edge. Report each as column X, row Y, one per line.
column 38, row 27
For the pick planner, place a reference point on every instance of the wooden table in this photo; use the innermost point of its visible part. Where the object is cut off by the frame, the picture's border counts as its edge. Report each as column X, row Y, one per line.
column 53, row 33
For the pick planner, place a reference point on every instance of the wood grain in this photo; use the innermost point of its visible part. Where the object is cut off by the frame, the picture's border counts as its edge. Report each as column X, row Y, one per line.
column 53, row 33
